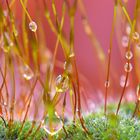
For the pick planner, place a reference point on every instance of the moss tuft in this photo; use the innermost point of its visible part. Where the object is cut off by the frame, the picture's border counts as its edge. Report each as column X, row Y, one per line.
column 100, row 127
column 12, row 133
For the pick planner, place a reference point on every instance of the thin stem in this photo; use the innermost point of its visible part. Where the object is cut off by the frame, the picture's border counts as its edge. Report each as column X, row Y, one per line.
column 109, row 56
column 75, row 103
column 128, row 61
column 3, row 120
column 23, row 6
column 136, row 108
column 63, row 111
column 127, row 75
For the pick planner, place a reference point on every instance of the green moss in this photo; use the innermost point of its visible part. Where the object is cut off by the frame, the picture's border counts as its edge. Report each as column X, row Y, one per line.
column 110, row 127
column 100, row 127
column 12, row 133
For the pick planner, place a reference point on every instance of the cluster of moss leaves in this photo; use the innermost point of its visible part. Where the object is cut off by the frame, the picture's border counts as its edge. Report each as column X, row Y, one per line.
column 101, row 127
column 12, row 133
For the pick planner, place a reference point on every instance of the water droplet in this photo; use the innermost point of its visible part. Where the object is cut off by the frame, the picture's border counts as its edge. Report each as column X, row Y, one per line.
column 68, row 67
column 56, row 124
column 128, row 29
column 62, row 83
column 33, row 26
column 128, row 67
column 122, row 81
column 129, row 55
column 26, row 72
column 136, row 36
column 125, row 41
column 107, row 84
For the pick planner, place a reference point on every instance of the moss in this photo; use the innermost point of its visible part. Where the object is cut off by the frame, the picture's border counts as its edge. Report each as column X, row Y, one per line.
column 100, row 127
column 12, row 133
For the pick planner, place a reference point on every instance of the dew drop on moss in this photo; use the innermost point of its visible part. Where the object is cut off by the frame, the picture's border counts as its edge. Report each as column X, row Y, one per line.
column 56, row 124
column 33, row 26
column 107, row 84
column 129, row 55
column 128, row 67
column 62, row 83
column 26, row 72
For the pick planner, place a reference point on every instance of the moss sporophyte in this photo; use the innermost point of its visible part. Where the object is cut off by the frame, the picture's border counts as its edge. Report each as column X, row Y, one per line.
column 53, row 86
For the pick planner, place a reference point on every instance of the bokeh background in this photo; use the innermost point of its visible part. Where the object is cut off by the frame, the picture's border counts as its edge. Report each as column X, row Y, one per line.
column 92, row 66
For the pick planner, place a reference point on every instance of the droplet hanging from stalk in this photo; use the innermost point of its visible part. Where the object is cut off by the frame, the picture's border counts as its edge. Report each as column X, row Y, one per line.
column 129, row 55
column 33, row 26
column 128, row 67
column 62, row 83
column 26, row 72
column 53, row 124
column 107, row 84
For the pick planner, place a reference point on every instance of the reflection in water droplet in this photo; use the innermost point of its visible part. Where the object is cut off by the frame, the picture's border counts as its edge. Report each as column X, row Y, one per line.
column 107, row 84
column 136, row 36
column 128, row 67
column 62, row 83
column 125, row 41
column 33, row 26
column 26, row 72
column 122, row 81
column 129, row 55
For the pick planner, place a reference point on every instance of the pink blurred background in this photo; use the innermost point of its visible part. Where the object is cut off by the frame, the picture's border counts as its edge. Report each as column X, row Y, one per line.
column 92, row 73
